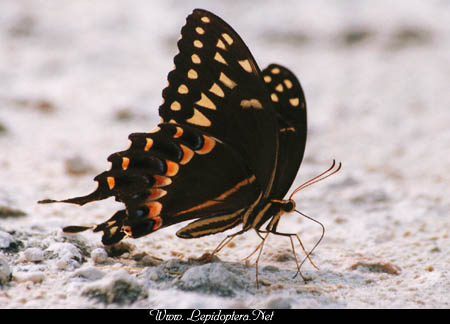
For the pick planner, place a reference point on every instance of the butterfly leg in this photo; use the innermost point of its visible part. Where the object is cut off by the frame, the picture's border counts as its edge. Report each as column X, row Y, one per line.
column 257, row 259
column 307, row 254
column 258, row 247
column 225, row 242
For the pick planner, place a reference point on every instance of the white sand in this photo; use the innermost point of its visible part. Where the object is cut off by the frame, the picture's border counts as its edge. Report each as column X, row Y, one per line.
column 376, row 79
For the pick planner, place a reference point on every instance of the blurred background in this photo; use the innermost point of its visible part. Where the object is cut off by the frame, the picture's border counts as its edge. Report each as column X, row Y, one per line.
column 76, row 77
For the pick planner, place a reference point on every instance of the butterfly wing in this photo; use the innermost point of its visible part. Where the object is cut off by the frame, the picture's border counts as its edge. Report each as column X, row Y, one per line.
column 289, row 101
column 217, row 87
column 205, row 161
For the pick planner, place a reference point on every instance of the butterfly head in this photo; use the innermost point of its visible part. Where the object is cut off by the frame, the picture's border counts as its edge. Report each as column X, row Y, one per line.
column 288, row 206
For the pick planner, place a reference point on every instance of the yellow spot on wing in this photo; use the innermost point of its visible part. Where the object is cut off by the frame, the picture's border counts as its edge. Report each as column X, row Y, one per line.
column 192, row 74
column 199, row 119
column 217, row 90
column 267, row 78
column 274, row 97
column 246, row 65
column 226, row 80
column 279, row 88
column 227, row 38
column 199, row 30
column 221, row 44
column 219, row 58
column 196, row 59
column 288, row 83
column 182, row 89
column 288, row 129
column 206, row 102
column 175, row 106
column 252, row 103
column 294, row 101
column 205, row 19
column 198, row 43
column 275, row 70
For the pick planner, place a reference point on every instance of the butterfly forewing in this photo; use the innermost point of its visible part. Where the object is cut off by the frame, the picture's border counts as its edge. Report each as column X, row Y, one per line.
column 217, row 86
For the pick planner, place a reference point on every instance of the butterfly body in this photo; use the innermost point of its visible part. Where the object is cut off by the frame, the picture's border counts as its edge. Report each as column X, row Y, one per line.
column 229, row 146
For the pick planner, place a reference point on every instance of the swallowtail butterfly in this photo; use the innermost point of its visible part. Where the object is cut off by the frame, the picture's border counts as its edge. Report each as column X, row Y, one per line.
column 229, row 145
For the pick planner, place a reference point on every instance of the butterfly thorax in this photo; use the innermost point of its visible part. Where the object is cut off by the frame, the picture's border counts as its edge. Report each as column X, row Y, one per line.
column 272, row 209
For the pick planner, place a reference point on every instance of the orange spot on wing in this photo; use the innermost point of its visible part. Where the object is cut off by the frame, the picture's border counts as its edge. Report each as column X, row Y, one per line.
column 125, row 163
column 154, row 208
column 155, row 194
column 111, row 182
column 179, row 132
column 158, row 222
column 208, row 145
column 149, row 144
column 187, row 154
column 161, row 181
column 172, row 168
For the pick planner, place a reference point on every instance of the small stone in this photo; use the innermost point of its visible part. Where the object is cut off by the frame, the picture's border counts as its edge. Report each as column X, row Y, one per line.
column 99, row 256
column 117, row 287
column 33, row 255
column 69, row 257
column 212, row 278
column 5, row 271
column 279, row 303
column 89, row 273
column 35, row 276
column 379, row 267
column 6, row 240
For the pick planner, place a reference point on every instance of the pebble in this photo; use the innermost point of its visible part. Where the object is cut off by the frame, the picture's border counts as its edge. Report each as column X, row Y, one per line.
column 69, row 257
column 99, row 256
column 212, row 278
column 33, row 255
column 6, row 240
column 35, row 276
column 89, row 273
column 279, row 303
column 5, row 270
column 117, row 287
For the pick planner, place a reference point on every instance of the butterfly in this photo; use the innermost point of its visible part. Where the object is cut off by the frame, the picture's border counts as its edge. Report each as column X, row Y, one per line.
column 227, row 150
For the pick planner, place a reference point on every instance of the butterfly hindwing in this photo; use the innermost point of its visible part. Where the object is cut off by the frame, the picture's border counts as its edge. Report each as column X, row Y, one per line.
column 288, row 99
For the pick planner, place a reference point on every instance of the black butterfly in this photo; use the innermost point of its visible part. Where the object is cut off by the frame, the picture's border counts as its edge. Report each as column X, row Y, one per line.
column 229, row 145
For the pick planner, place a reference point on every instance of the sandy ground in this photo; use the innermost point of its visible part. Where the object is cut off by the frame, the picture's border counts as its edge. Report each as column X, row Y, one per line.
column 78, row 76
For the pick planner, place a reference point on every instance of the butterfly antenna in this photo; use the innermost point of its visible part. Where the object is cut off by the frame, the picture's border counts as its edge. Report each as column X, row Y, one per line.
column 318, row 178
